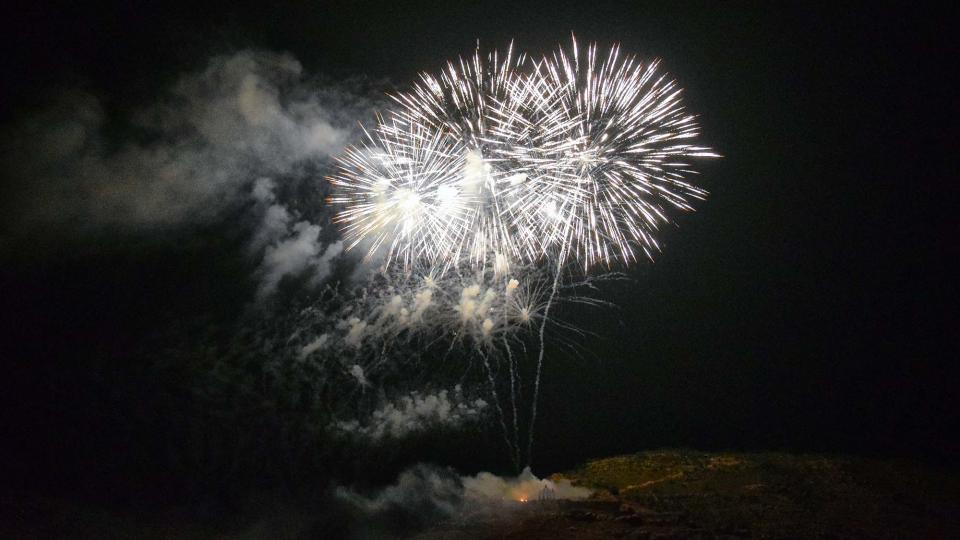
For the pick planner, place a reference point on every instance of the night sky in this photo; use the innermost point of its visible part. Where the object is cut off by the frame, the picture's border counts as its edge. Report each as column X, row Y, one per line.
column 808, row 305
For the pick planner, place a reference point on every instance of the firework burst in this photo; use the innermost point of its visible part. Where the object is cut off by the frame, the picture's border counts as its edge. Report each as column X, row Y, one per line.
column 433, row 179
column 397, row 192
column 507, row 159
column 484, row 187
column 617, row 163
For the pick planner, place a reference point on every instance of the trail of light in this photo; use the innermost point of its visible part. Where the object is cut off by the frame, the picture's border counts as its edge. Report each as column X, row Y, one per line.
column 496, row 400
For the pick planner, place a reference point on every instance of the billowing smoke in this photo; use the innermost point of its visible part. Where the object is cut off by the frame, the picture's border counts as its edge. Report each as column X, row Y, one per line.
column 424, row 495
column 525, row 487
column 415, row 413
column 421, row 495
column 243, row 117
column 288, row 247
column 246, row 138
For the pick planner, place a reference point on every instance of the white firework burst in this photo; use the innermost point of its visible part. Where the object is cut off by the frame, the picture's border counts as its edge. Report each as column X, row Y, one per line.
column 397, row 192
column 486, row 186
column 432, row 178
column 614, row 156
column 506, row 160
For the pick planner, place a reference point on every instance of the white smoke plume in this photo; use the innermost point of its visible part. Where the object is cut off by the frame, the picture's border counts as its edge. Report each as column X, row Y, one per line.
column 419, row 487
column 246, row 123
column 244, row 116
column 356, row 371
column 525, row 487
column 288, row 248
column 426, row 494
column 317, row 344
column 415, row 413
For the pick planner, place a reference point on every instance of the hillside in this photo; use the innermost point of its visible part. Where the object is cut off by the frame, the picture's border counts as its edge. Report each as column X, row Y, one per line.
column 687, row 494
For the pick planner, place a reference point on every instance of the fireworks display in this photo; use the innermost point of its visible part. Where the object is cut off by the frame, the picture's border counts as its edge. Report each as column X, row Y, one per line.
column 505, row 159
column 485, row 188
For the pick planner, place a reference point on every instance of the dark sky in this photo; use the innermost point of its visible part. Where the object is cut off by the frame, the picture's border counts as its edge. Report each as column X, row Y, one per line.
column 810, row 304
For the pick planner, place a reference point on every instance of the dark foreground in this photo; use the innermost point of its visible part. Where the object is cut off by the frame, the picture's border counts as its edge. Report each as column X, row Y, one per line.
column 681, row 494
column 671, row 494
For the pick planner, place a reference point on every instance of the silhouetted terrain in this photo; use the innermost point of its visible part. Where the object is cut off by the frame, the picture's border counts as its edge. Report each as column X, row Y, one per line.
column 682, row 494
column 663, row 494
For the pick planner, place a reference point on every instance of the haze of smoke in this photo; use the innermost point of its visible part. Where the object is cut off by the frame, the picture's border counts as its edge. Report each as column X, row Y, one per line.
column 526, row 486
column 244, row 116
column 288, row 248
column 243, row 124
column 415, row 413
column 314, row 346
column 421, row 488
column 425, row 494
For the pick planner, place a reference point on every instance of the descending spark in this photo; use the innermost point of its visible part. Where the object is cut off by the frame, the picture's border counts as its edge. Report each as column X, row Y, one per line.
column 611, row 162
column 511, row 448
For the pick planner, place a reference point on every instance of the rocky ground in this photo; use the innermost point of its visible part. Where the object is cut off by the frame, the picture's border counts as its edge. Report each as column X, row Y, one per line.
column 695, row 495
column 573, row 519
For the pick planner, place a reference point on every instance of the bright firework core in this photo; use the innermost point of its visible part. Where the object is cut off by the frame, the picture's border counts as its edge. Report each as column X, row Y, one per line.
column 508, row 159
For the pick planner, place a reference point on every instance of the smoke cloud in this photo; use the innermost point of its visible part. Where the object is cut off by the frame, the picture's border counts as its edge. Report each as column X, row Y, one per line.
column 525, row 487
column 425, row 494
column 223, row 142
column 244, row 116
column 415, row 413
column 288, row 248
column 424, row 490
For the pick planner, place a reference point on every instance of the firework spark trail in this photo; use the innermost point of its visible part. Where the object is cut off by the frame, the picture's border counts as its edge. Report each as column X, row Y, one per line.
column 536, row 383
column 506, row 167
column 513, row 401
column 496, row 401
